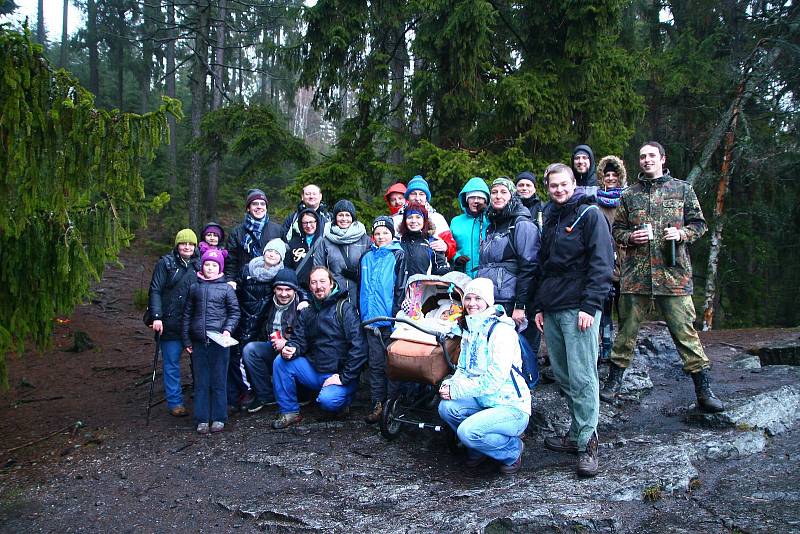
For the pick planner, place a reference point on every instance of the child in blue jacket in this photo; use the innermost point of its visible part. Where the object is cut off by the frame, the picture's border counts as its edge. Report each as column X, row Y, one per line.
column 381, row 292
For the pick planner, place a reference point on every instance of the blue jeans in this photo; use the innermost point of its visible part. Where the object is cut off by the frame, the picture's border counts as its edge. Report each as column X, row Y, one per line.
column 492, row 432
column 286, row 374
column 573, row 357
column 258, row 357
column 171, row 354
column 210, row 380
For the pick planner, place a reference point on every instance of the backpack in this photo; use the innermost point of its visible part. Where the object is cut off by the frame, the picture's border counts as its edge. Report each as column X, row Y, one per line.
column 523, row 346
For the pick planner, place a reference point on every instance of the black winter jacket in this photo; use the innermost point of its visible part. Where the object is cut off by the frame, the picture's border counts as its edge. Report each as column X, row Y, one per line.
column 254, row 298
column 300, row 257
column 288, row 320
column 535, row 206
column 238, row 257
column 576, row 259
column 320, row 338
column 211, row 306
column 420, row 257
column 511, row 267
column 169, row 287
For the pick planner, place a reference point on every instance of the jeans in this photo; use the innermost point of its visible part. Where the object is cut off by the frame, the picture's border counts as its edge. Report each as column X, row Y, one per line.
column 377, row 339
column 573, row 357
column 492, row 432
column 171, row 354
column 210, row 378
column 286, row 374
column 258, row 357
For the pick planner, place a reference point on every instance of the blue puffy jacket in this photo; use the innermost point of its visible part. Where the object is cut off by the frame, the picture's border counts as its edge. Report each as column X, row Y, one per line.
column 468, row 230
column 383, row 282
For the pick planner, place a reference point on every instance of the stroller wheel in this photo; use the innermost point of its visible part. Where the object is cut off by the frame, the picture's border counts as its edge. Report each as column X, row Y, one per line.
column 390, row 426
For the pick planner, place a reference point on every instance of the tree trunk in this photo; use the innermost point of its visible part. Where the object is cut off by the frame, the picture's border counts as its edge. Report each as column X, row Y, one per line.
column 197, row 83
column 91, row 43
column 719, row 209
column 398, row 63
column 62, row 58
column 216, row 103
column 172, row 150
column 41, row 33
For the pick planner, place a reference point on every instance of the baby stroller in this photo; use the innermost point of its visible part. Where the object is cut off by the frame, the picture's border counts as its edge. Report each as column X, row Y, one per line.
column 422, row 353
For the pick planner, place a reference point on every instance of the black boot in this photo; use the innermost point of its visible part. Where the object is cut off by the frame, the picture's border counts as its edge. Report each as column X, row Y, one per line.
column 613, row 382
column 706, row 400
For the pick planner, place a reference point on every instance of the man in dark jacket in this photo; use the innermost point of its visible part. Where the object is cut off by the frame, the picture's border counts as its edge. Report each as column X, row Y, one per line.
column 576, row 260
column 583, row 168
column 310, row 198
column 244, row 243
column 526, row 189
column 326, row 352
column 279, row 325
column 658, row 215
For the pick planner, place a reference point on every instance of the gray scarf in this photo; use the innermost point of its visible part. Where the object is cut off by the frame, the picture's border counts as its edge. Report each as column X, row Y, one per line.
column 346, row 236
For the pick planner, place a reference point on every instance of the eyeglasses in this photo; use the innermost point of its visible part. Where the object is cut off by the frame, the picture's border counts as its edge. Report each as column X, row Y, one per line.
column 309, row 223
column 259, row 204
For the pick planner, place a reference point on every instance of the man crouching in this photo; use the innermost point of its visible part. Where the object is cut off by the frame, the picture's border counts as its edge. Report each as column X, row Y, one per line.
column 325, row 353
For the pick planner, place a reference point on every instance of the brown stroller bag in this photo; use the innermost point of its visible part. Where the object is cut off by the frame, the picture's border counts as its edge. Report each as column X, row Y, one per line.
column 418, row 362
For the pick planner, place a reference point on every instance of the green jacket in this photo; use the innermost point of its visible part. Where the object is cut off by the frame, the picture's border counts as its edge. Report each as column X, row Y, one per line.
column 661, row 202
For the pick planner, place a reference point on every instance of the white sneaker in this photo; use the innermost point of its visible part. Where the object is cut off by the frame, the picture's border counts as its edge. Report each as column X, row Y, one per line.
column 202, row 428
column 217, row 426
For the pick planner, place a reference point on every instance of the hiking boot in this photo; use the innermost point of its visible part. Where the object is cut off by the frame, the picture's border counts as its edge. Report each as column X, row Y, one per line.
column 613, row 382
column 510, row 469
column 202, row 428
column 588, row 464
column 561, row 444
column 706, row 400
column 179, row 411
column 255, row 405
column 217, row 426
column 287, row 419
column 375, row 414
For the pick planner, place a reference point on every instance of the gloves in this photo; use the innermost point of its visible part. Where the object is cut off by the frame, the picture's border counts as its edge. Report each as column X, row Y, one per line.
column 351, row 274
column 461, row 260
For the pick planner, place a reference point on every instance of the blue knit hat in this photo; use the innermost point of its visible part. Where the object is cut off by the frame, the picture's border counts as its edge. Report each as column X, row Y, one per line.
column 418, row 183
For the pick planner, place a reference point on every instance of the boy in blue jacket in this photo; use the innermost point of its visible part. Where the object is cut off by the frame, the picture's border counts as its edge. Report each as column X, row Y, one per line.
column 381, row 292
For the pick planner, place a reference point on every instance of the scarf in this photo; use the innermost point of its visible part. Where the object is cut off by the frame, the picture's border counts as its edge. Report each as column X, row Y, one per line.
column 260, row 271
column 478, row 326
column 345, row 236
column 609, row 198
column 253, row 227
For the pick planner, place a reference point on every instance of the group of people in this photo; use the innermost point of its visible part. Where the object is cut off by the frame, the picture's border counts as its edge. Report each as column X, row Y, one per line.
column 294, row 297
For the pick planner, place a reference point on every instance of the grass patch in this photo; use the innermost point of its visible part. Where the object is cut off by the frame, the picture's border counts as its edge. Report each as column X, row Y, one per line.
column 652, row 493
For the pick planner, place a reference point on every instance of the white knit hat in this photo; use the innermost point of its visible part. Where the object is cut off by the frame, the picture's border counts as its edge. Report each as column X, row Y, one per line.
column 483, row 287
column 278, row 246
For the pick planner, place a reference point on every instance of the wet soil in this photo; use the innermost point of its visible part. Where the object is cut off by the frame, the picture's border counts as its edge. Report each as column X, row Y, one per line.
column 78, row 456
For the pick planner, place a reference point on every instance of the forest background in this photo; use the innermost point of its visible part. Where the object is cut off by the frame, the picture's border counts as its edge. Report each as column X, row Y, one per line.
column 355, row 95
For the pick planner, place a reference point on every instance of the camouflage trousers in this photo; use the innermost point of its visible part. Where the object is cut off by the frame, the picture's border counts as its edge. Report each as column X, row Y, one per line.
column 677, row 311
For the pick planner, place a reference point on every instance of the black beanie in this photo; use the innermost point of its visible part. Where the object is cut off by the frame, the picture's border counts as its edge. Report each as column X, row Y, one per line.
column 344, row 205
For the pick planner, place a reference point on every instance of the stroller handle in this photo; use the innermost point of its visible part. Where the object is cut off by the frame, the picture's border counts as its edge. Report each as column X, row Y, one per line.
column 440, row 338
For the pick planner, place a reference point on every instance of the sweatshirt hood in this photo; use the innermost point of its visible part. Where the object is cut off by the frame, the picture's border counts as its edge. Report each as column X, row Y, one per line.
column 586, row 178
column 473, row 185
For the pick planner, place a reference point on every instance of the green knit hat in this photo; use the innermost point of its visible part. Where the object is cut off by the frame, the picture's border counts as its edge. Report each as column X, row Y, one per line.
column 186, row 236
column 506, row 182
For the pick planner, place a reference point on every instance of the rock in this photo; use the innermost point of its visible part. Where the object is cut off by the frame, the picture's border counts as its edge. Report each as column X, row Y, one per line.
column 780, row 353
column 774, row 411
column 728, row 446
column 745, row 362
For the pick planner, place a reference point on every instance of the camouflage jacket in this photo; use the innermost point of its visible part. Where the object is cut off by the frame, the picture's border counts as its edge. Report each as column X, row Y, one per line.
column 661, row 202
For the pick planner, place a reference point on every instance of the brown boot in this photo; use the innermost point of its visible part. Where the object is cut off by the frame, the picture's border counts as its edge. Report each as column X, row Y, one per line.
column 561, row 444
column 375, row 414
column 179, row 411
column 588, row 464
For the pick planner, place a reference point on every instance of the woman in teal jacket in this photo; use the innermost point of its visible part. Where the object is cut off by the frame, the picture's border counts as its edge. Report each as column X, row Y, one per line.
column 469, row 228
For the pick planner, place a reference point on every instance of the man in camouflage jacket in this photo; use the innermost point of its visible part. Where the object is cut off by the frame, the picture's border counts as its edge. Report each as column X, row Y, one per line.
column 647, row 279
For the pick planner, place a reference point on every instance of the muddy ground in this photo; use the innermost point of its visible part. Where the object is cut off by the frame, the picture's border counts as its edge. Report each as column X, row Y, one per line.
column 77, row 455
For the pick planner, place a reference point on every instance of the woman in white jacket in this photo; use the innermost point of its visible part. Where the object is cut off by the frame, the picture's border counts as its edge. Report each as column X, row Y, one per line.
column 486, row 401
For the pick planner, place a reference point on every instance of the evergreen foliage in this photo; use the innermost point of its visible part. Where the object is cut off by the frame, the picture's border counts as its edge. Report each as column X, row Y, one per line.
column 71, row 188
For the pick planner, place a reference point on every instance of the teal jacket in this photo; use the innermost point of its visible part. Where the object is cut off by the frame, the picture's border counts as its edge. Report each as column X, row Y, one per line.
column 468, row 230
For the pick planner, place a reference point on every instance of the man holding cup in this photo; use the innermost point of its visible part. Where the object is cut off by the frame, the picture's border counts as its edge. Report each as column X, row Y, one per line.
column 656, row 214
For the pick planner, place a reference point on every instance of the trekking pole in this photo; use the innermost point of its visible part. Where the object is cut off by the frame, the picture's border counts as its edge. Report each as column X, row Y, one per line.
column 153, row 379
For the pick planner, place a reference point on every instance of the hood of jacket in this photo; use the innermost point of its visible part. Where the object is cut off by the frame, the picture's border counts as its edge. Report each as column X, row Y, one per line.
column 572, row 204
column 601, row 171
column 320, row 224
column 645, row 181
column 513, row 209
column 474, row 184
column 584, row 179
column 399, row 187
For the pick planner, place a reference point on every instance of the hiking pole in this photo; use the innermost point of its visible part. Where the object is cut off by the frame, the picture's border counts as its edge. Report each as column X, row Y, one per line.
column 153, row 379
